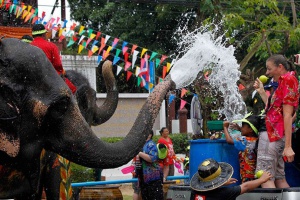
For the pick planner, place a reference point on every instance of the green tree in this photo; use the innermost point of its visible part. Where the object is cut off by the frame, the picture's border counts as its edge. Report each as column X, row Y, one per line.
column 149, row 25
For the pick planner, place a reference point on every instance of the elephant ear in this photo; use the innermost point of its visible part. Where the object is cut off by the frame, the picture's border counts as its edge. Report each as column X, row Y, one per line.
column 9, row 116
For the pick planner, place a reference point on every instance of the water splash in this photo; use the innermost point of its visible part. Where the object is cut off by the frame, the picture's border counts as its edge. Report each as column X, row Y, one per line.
column 203, row 49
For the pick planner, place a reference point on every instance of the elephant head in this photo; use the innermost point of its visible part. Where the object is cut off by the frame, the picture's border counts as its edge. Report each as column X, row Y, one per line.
column 39, row 111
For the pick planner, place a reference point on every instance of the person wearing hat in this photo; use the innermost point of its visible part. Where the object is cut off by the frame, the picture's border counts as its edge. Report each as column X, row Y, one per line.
column 246, row 144
column 211, row 175
column 168, row 162
column 27, row 38
column 275, row 144
column 150, row 175
column 39, row 40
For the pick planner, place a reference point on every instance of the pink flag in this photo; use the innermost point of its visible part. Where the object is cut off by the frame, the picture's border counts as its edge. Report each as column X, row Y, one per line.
column 163, row 57
column 182, row 104
column 127, row 65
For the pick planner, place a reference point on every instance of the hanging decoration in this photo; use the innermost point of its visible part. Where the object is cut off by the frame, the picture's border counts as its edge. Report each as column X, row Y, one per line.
column 97, row 42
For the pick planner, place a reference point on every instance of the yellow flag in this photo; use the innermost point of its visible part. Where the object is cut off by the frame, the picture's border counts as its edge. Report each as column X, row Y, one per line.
column 81, row 29
column 150, row 85
column 168, row 66
column 95, row 48
column 25, row 12
column 92, row 36
column 143, row 52
column 80, row 48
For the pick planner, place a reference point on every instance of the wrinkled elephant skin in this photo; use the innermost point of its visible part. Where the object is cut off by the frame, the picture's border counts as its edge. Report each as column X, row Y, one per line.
column 40, row 112
column 56, row 172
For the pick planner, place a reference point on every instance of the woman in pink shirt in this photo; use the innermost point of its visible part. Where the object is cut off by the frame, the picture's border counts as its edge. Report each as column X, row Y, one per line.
column 275, row 144
column 168, row 162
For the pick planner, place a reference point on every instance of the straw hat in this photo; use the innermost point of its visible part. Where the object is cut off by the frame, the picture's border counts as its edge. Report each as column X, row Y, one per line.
column 211, row 175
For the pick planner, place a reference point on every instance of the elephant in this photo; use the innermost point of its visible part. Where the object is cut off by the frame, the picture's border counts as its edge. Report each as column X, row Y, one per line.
column 38, row 111
column 55, row 170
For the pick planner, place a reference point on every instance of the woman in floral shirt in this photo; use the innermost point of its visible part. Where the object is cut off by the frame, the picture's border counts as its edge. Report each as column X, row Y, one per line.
column 150, row 176
column 275, row 144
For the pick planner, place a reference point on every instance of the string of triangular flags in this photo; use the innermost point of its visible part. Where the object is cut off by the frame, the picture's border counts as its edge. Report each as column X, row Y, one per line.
column 183, row 92
column 135, row 60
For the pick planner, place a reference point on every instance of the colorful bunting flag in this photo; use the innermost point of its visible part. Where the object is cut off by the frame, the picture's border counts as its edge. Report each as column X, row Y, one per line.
column 80, row 48
column 118, row 51
column 163, row 57
column 134, row 57
column 164, row 72
column 168, row 66
column 182, row 104
column 98, row 35
column 241, row 87
column 119, row 69
column 115, row 42
column 143, row 52
column 99, row 59
column 107, row 38
column 153, row 55
column 127, row 65
column 129, row 74
column 183, row 91
column 116, row 59
column 133, row 48
column 171, row 98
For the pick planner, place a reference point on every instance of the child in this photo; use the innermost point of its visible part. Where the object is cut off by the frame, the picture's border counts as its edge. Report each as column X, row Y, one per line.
column 246, row 144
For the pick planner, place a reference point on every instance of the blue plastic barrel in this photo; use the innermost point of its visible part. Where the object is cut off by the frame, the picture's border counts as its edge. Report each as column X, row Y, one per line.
column 217, row 149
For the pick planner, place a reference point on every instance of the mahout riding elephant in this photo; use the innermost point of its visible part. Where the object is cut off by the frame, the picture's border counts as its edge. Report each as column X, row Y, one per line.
column 38, row 111
column 55, row 170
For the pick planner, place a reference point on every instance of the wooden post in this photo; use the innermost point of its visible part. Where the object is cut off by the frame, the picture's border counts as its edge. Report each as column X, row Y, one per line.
column 183, row 120
column 63, row 17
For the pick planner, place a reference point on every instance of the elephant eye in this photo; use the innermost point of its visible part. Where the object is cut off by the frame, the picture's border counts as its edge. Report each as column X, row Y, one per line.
column 59, row 107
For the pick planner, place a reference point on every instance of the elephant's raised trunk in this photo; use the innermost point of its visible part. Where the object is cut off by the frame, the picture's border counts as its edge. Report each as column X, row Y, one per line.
column 86, row 96
column 80, row 145
column 107, row 109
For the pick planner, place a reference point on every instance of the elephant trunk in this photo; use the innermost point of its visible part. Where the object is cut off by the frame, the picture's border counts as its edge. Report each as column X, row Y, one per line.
column 103, row 113
column 80, row 145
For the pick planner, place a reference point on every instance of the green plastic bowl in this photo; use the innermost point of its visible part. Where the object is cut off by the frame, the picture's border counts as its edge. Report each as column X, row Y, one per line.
column 215, row 125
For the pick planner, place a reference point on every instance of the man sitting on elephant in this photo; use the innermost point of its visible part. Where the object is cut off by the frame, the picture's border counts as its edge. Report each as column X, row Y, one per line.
column 39, row 34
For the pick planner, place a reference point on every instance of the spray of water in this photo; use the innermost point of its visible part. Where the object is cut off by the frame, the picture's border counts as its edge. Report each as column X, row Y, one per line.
column 203, row 49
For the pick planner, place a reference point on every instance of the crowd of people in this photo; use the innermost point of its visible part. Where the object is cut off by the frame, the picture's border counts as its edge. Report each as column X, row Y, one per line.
column 264, row 145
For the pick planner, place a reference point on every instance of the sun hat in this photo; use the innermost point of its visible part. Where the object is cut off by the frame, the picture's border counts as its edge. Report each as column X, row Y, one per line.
column 211, row 175
column 27, row 38
column 252, row 120
column 38, row 29
column 162, row 151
